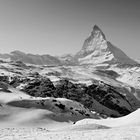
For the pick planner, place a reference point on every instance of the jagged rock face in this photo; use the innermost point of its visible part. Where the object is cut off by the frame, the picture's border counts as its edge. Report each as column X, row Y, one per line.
column 4, row 79
column 109, row 97
column 40, row 87
column 96, row 49
column 99, row 97
column 67, row 89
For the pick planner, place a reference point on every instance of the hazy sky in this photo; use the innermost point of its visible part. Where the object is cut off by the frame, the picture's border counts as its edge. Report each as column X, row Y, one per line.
column 58, row 27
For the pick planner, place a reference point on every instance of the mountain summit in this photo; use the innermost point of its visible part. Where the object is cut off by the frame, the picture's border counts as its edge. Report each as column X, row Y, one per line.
column 96, row 39
column 96, row 49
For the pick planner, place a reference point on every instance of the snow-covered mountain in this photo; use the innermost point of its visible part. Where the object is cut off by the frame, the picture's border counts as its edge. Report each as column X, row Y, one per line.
column 96, row 49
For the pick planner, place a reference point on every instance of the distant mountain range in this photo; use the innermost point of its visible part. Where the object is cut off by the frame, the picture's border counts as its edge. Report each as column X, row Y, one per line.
column 96, row 49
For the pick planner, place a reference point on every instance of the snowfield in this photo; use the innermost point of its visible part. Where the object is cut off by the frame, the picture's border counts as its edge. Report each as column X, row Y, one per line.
column 123, row 133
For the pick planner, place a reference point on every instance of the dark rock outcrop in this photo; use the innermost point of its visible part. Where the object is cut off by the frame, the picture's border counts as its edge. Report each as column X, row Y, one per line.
column 4, row 79
column 99, row 97
column 41, row 87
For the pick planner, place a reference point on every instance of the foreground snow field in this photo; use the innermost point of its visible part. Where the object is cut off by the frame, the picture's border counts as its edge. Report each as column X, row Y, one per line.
column 121, row 133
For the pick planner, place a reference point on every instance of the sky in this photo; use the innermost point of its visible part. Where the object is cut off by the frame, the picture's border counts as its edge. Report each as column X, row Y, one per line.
column 59, row 27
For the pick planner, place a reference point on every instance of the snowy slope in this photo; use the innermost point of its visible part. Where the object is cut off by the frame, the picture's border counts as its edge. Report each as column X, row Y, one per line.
column 129, row 120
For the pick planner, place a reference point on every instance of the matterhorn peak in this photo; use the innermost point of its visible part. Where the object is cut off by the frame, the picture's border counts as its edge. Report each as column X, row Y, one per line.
column 95, row 27
column 97, row 32
column 96, row 49
column 96, row 39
